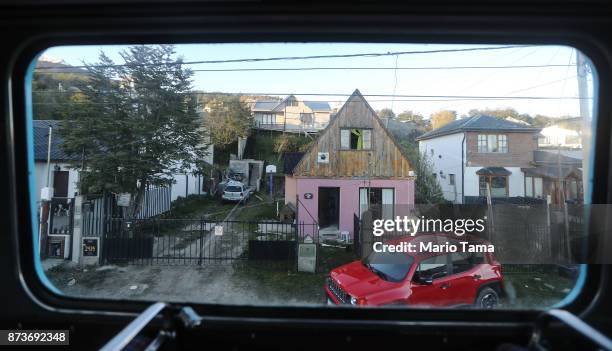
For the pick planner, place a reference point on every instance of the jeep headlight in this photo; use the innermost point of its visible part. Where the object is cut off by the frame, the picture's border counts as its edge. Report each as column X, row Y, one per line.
column 353, row 300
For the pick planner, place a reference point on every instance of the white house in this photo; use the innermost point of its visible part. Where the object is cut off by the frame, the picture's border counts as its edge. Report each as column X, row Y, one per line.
column 564, row 133
column 467, row 154
column 64, row 180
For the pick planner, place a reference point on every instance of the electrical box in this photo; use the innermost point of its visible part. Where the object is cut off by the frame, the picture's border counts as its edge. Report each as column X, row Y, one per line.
column 307, row 258
column 323, row 157
column 46, row 194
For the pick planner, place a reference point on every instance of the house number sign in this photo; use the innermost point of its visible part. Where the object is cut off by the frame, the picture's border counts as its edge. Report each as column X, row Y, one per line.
column 308, row 196
column 90, row 247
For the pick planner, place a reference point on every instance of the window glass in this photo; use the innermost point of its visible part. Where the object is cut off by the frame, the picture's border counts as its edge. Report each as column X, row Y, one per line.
column 367, row 139
column 345, row 139
column 482, row 143
column 134, row 167
column 492, row 143
column 499, row 186
column 390, row 266
column 529, row 186
column 434, row 267
column 537, row 187
column 503, row 143
column 463, row 261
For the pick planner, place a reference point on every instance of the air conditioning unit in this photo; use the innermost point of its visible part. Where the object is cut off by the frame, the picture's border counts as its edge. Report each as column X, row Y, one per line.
column 323, row 157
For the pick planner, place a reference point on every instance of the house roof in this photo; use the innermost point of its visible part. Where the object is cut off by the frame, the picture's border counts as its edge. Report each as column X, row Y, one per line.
column 554, row 157
column 41, row 141
column 315, row 106
column 265, row 105
column 319, row 106
column 493, row 171
column 290, row 160
column 334, row 119
column 478, row 123
column 553, row 172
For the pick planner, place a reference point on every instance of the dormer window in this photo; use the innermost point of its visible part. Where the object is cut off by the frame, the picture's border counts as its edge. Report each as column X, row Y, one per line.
column 355, row 139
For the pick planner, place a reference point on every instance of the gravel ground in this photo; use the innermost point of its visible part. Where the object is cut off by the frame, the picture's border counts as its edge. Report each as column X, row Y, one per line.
column 217, row 284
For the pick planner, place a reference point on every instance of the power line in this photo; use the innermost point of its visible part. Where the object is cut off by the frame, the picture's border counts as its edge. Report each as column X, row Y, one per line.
column 424, row 68
column 415, row 99
column 292, row 58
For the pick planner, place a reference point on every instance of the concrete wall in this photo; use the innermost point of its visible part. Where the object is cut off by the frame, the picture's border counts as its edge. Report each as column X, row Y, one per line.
column 349, row 197
column 445, row 155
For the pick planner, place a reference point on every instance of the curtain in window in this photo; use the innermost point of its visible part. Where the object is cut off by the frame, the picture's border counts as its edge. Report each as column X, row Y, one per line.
column 387, row 203
column 363, row 201
column 358, row 133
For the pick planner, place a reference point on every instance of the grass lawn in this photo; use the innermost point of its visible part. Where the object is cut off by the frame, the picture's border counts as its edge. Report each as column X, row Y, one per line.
column 196, row 206
column 539, row 288
column 283, row 282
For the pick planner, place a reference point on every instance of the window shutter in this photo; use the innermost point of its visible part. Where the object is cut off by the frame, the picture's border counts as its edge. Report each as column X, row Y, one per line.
column 367, row 139
column 345, row 139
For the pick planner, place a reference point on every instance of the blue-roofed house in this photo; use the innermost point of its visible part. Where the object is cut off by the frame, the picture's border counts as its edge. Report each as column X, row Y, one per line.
column 470, row 155
column 291, row 115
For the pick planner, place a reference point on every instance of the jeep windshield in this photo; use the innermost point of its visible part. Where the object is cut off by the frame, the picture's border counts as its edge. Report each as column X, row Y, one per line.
column 233, row 189
column 392, row 267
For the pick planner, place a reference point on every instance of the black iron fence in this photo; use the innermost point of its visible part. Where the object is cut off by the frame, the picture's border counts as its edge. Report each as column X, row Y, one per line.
column 196, row 241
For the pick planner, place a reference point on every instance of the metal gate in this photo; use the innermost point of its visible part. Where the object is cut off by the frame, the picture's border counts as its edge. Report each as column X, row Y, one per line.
column 196, row 241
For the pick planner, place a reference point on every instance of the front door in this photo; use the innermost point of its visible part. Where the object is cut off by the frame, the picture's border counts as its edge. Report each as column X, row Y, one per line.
column 329, row 207
column 436, row 270
column 60, row 183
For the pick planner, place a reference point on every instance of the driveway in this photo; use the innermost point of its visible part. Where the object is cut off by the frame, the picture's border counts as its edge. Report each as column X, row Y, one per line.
column 217, row 284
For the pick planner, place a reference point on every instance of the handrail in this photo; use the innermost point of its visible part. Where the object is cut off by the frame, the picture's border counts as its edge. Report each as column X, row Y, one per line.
column 298, row 208
column 121, row 340
column 573, row 322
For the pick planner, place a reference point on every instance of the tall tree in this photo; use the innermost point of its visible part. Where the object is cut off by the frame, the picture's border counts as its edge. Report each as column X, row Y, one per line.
column 442, row 118
column 410, row 116
column 386, row 113
column 229, row 119
column 138, row 124
column 427, row 187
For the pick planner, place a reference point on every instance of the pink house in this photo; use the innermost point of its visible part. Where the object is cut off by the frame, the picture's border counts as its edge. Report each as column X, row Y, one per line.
column 354, row 165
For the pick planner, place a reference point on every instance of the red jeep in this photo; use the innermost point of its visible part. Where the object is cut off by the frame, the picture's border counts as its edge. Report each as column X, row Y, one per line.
column 420, row 279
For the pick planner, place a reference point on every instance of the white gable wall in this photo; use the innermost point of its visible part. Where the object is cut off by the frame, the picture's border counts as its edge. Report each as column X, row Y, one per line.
column 444, row 153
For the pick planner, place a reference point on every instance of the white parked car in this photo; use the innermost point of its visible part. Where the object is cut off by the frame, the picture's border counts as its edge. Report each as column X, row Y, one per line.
column 236, row 191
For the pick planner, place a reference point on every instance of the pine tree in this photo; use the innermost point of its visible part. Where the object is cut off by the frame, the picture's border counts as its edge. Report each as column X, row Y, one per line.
column 138, row 124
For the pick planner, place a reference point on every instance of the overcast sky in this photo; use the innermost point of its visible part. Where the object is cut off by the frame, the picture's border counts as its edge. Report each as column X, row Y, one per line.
column 499, row 82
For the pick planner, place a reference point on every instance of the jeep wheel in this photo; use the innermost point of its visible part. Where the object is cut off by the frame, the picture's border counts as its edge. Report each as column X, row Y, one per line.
column 487, row 299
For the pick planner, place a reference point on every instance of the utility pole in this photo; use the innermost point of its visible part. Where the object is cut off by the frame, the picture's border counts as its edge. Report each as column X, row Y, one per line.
column 45, row 202
column 583, row 93
column 49, row 154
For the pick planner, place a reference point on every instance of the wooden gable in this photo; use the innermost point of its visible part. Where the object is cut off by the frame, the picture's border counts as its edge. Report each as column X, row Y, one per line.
column 384, row 160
